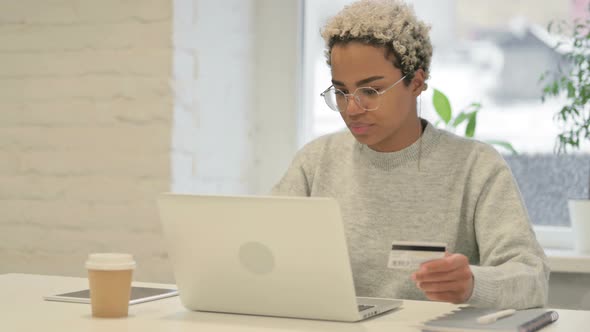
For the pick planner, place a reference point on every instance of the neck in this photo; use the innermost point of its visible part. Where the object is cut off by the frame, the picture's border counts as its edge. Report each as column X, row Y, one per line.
column 407, row 135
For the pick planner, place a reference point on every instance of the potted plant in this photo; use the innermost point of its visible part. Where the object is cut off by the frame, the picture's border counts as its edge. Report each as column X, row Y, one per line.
column 442, row 106
column 572, row 82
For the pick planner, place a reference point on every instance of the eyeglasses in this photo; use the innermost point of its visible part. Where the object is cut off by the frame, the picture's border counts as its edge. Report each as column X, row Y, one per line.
column 366, row 98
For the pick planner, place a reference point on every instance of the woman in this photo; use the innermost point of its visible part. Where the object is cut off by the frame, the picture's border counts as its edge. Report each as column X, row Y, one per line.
column 397, row 177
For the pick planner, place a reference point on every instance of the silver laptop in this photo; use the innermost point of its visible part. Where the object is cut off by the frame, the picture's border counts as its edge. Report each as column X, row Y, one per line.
column 263, row 255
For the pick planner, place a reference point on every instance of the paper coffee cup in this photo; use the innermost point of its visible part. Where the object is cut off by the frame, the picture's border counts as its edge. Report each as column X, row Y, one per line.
column 109, row 278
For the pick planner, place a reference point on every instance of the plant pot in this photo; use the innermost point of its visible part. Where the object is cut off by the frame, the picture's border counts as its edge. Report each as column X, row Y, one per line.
column 580, row 218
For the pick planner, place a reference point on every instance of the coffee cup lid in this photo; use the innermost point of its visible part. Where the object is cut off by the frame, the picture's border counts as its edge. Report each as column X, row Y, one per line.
column 110, row 261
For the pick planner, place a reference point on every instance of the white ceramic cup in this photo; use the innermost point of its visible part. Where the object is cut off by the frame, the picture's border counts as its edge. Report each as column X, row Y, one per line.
column 109, row 278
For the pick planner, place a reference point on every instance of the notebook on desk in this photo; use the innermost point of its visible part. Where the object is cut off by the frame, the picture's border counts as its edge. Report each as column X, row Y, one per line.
column 275, row 256
column 466, row 320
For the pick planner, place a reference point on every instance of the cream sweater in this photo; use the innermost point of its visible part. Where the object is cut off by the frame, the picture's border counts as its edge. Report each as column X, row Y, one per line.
column 463, row 194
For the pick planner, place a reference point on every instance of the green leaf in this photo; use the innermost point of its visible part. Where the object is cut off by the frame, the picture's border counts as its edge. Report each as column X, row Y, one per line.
column 504, row 145
column 460, row 118
column 571, row 90
column 555, row 88
column 473, row 107
column 470, row 129
column 575, row 111
column 442, row 106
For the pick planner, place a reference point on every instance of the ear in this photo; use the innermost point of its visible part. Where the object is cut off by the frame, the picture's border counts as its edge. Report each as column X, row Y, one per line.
column 418, row 82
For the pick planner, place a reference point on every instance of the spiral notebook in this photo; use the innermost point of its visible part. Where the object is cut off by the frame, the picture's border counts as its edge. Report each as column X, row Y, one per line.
column 465, row 320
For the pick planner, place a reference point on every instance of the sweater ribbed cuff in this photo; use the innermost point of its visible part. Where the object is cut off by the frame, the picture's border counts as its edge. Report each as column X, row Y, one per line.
column 485, row 290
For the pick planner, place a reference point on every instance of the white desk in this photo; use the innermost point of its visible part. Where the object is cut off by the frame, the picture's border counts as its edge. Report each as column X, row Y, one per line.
column 23, row 309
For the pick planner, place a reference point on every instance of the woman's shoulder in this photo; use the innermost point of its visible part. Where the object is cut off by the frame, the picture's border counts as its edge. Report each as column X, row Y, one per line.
column 333, row 142
column 469, row 148
column 323, row 149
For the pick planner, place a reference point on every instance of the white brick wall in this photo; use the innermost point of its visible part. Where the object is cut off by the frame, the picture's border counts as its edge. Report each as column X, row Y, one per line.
column 85, row 132
column 91, row 130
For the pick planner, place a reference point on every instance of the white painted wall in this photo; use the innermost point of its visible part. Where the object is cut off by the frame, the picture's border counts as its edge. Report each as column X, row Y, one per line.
column 278, row 120
column 236, row 65
column 213, row 113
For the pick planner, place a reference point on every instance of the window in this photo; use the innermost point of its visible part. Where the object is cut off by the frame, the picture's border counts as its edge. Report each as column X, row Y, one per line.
column 488, row 52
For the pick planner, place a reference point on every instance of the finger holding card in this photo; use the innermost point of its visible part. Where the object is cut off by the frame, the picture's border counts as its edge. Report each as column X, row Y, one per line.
column 448, row 279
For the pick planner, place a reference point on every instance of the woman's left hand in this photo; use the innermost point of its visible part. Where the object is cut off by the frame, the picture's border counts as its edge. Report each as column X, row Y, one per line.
column 448, row 279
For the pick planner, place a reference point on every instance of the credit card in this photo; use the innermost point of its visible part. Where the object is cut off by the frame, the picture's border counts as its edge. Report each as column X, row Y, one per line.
column 410, row 254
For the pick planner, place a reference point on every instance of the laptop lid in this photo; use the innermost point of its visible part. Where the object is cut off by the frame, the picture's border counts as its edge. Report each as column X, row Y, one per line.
column 261, row 255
